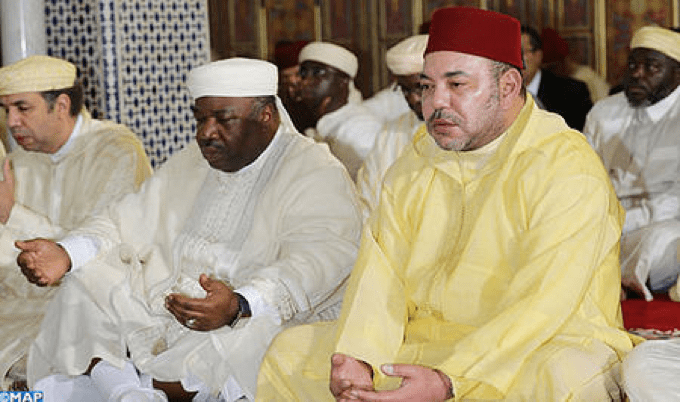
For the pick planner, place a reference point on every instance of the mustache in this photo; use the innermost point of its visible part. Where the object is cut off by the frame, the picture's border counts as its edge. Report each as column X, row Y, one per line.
column 209, row 143
column 441, row 114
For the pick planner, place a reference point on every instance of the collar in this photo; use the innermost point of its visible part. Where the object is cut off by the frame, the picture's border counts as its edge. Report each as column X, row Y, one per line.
column 535, row 83
column 656, row 111
column 69, row 143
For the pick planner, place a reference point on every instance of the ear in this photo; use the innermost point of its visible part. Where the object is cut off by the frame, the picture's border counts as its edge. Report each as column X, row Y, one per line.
column 62, row 105
column 267, row 113
column 509, row 87
column 324, row 105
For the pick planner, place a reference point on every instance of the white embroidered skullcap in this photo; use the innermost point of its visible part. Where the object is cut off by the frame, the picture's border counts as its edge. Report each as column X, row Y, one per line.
column 406, row 57
column 235, row 77
column 37, row 74
column 660, row 39
column 332, row 55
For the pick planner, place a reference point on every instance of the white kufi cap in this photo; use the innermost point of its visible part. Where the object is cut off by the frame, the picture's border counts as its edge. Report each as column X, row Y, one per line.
column 235, row 77
column 332, row 55
column 660, row 39
column 406, row 57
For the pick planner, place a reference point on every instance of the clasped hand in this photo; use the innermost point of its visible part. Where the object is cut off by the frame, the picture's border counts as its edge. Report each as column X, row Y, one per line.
column 217, row 309
column 352, row 380
column 43, row 262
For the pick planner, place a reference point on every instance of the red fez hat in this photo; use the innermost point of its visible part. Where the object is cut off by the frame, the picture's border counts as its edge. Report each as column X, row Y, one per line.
column 286, row 54
column 554, row 47
column 479, row 32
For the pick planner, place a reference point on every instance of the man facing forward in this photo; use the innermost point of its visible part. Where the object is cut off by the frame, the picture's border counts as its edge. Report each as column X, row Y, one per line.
column 486, row 271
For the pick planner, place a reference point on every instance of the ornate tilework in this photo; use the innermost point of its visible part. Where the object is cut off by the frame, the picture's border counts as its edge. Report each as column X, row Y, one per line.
column 133, row 56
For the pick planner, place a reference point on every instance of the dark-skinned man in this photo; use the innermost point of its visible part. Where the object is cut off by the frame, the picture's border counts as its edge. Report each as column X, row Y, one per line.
column 405, row 61
column 250, row 229
column 334, row 104
column 636, row 135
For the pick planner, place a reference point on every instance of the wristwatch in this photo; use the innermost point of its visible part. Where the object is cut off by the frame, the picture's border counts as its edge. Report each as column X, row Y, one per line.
column 243, row 310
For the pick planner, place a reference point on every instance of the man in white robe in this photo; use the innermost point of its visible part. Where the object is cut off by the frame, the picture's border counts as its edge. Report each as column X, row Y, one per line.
column 636, row 135
column 66, row 166
column 251, row 220
column 405, row 61
column 335, row 105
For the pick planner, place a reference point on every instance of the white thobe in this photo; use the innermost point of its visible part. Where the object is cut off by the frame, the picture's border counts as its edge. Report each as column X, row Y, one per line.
column 640, row 148
column 54, row 193
column 388, row 103
column 350, row 133
column 395, row 135
column 286, row 227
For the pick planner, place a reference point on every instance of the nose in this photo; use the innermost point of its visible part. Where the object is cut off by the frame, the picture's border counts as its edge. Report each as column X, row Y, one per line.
column 207, row 129
column 638, row 70
column 440, row 97
column 13, row 117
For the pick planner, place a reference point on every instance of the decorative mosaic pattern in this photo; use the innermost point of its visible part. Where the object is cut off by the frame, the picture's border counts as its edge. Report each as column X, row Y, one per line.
column 134, row 56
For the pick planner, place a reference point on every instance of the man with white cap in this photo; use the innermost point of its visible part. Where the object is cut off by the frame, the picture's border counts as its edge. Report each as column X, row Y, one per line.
column 334, row 104
column 485, row 272
column 401, row 59
column 66, row 166
column 406, row 63
column 251, row 229
column 636, row 135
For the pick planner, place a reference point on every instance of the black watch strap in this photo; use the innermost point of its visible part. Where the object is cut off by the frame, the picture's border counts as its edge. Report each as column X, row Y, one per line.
column 243, row 310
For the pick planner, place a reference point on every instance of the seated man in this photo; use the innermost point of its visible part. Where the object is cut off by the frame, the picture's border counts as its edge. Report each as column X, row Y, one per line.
column 405, row 60
column 334, row 104
column 253, row 220
column 65, row 167
column 486, row 271
column 636, row 135
column 286, row 59
column 562, row 95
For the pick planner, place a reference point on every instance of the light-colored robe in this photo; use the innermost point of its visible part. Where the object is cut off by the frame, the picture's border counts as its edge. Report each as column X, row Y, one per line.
column 388, row 103
column 494, row 266
column 100, row 162
column 286, row 226
column 640, row 148
column 350, row 133
column 395, row 135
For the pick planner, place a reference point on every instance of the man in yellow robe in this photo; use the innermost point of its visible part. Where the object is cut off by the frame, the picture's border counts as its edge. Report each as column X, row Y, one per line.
column 490, row 268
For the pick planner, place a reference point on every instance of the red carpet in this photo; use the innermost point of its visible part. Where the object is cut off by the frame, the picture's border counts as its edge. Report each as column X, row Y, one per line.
column 661, row 313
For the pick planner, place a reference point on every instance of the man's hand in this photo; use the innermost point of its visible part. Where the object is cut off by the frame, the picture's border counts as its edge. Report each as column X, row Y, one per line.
column 348, row 375
column 43, row 262
column 6, row 192
column 217, row 309
column 418, row 384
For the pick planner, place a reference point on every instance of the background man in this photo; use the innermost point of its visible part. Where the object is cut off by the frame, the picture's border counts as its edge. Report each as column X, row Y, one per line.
column 66, row 167
column 251, row 220
column 562, row 95
column 405, row 60
column 636, row 135
column 558, row 59
column 486, row 271
column 334, row 103
column 286, row 59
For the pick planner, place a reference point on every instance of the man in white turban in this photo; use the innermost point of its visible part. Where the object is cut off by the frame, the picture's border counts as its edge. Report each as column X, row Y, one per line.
column 335, row 105
column 66, row 166
column 405, row 60
column 636, row 135
column 249, row 230
column 402, row 59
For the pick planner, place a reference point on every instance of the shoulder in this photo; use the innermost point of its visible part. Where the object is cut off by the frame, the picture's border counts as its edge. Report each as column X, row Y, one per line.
column 550, row 147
